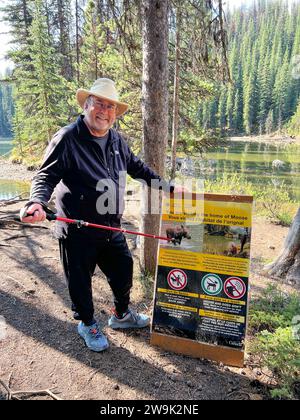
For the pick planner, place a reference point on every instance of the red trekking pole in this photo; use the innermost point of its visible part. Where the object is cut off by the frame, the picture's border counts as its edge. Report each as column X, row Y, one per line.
column 80, row 223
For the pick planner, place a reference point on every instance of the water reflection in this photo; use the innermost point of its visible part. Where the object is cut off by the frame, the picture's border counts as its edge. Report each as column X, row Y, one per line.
column 5, row 146
column 10, row 189
column 258, row 163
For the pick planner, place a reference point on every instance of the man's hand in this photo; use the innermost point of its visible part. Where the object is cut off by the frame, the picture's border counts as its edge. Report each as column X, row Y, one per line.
column 181, row 190
column 178, row 190
column 34, row 213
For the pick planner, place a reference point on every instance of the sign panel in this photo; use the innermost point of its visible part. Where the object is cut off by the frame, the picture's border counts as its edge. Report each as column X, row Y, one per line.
column 201, row 293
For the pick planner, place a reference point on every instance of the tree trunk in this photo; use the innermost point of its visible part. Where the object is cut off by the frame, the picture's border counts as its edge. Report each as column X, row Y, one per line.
column 176, row 93
column 64, row 27
column 287, row 265
column 77, row 41
column 155, row 110
column 26, row 18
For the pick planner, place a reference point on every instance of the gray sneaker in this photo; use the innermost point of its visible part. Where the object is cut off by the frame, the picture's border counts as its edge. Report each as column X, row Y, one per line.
column 131, row 320
column 93, row 337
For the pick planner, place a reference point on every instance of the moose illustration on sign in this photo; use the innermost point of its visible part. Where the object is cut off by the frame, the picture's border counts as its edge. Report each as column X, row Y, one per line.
column 178, row 234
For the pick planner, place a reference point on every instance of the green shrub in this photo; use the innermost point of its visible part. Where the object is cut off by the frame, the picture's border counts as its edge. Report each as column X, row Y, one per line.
column 271, row 201
column 277, row 203
column 271, row 318
column 273, row 309
column 263, row 321
column 230, row 184
column 147, row 283
column 280, row 353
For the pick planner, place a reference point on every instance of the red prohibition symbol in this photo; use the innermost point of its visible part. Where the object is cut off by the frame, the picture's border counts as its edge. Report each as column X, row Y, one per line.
column 234, row 287
column 177, row 279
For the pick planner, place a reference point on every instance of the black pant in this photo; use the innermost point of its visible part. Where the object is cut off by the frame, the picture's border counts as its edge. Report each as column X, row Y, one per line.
column 79, row 257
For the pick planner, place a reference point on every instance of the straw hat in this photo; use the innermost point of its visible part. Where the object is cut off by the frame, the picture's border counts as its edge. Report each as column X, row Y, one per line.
column 103, row 89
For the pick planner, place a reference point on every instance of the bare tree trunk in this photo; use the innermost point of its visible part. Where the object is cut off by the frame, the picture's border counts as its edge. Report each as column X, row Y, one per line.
column 176, row 93
column 155, row 109
column 287, row 265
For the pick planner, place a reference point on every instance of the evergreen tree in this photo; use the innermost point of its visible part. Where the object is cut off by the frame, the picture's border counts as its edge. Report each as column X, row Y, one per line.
column 294, row 124
column 269, row 125
column 65, row 20
column 222, row 110
column 6, row 104
column 264, row 50
column 265, row 91
column 281, row 92
column 250, row 99
column 94, row 43
column 41, row 94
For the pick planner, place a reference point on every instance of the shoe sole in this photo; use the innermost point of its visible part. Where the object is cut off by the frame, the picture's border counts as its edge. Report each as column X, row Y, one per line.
column 126, row 326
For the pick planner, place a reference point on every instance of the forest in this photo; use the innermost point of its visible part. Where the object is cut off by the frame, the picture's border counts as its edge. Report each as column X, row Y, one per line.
column 62, row 45
column 264, row 48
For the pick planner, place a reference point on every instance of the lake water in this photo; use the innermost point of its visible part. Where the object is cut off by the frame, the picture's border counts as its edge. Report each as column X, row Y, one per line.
column 10, row 189
column 5, row 146
column 260, row 163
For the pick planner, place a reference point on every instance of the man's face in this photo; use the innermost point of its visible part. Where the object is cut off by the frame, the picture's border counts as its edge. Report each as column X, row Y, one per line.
column 100, row 115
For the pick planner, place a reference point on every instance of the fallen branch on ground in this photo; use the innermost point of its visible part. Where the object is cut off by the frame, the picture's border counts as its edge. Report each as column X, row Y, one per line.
column 10, row 238
column 4, row 221
column 12, row 395
column 237, row 392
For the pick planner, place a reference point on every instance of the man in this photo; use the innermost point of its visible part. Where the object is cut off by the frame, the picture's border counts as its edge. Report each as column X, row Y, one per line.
column 79, row 157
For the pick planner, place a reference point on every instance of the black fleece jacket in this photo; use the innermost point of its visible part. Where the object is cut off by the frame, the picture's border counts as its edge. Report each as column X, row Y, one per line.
column 74, row 165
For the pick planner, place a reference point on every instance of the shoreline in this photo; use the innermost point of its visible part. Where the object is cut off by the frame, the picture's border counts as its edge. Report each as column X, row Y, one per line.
column 19, row 172
column 278, row 140
column 15, row 171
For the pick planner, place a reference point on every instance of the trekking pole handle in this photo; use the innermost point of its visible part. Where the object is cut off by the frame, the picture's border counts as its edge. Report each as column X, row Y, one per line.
column 50, row 215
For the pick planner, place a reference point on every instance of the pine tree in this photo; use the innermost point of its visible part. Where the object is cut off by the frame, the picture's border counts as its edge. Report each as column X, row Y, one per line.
column 93, row 45
column 250, row 98
column 269, row 124
column 264, row 46
column 41, row 94
column 265, row 91
column 294, row 123
column 6, row 104
column 281, row 92
column 222, row 110
column 64, row 20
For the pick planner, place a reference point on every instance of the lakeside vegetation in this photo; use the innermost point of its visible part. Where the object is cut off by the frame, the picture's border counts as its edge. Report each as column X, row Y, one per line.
column 275, row 344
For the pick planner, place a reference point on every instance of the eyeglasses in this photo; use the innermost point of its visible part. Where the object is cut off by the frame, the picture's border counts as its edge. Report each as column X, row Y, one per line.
column 104, row 107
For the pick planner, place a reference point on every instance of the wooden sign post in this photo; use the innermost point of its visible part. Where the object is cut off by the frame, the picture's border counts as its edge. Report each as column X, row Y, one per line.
column 201, row 290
